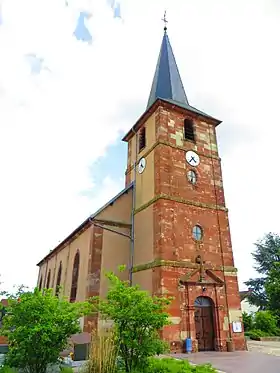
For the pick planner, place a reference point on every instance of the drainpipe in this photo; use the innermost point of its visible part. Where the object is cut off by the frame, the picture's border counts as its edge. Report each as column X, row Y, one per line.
column 132, row 240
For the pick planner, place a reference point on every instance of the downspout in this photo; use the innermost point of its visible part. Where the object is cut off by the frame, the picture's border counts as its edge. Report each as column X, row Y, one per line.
column 132, row 239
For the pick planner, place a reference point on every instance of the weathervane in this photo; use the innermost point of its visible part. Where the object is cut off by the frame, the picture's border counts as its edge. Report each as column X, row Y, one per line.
column 165, row 21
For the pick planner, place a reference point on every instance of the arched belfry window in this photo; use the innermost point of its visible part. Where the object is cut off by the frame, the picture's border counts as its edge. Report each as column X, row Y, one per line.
column 58, row 280
column 142, row 139
column 188, row 129
column 48, row 279
column 75, row 277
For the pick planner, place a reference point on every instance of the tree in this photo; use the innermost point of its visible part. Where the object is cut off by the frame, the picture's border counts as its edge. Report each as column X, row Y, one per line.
column 266, row 255
column 38, row 326
column 266, row 322
column 248, row 321
column 138, row 318
column 272, row 288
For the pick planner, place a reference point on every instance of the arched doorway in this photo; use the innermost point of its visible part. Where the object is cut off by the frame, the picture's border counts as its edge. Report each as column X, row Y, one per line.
column 204, row 326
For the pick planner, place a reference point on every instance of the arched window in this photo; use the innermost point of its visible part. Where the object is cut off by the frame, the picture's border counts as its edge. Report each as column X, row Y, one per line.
column 58, row 280
column 188, row 129
column 197, row 233
column 75, row 277
column 48, row 279
column 40, row 283
column 192, row 177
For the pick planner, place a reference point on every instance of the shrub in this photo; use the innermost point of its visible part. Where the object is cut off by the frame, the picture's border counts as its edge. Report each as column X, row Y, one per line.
column 247, row 321
column 256, row 334
column 138, row 317
column 38, row 326
column 7, row 369
column 266, row 322
column 66, row 370
column 169, row 365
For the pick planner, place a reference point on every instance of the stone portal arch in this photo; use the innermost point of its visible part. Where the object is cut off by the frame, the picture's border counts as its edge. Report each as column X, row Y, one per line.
column 204, row 323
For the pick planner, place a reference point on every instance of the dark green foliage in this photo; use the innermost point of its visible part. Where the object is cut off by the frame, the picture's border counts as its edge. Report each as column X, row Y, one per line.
column 138, row 318
column 256, row 334
column 272, row 288
column 257, row 294
column 266, row 322
column 169, row 365
column 247, row 321
column 267, row 253
column 262, row 324
column 38, row 326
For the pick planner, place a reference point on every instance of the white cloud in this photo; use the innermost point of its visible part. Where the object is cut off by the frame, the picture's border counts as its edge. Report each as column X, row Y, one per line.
column 53, row 125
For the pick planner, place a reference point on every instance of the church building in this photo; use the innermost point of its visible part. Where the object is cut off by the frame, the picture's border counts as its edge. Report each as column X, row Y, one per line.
column 169, row 225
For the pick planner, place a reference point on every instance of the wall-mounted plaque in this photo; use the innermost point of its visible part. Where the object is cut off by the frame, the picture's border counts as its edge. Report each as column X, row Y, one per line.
column 237, row 326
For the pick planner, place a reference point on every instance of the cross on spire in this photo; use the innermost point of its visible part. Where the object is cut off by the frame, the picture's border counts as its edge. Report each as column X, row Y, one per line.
column 165, row 21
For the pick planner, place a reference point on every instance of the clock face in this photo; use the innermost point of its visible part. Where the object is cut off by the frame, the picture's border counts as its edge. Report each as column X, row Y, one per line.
column 141, row 165
column 192, row 158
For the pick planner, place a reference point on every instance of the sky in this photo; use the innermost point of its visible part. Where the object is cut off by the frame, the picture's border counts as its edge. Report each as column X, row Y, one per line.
column 75, row 75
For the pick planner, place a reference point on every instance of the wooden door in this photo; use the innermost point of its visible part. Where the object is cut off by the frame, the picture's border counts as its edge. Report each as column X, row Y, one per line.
column 204, row 328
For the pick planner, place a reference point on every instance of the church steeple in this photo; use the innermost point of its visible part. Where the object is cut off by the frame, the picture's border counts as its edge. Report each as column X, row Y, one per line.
column 167, row 83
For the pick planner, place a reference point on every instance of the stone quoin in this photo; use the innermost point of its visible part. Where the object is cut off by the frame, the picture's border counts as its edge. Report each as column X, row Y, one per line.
column 171, row 219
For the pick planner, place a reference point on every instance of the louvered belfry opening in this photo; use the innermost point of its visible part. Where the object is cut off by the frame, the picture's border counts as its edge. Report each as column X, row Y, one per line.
column 142, row 139
column 189, row 130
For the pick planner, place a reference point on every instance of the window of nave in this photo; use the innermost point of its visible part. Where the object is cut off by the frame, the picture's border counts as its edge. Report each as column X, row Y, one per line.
column 40, row 283
column 75, row 277
column 48, row 279
column 58, row 280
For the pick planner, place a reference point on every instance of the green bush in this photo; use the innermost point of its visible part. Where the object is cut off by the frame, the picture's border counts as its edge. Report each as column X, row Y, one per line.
column 169, row 365
column 38, row 326
column 138, row 317
column 7, row 369
column 266, row 322
column 256, row 334
column 64, row 370
column 248, row 321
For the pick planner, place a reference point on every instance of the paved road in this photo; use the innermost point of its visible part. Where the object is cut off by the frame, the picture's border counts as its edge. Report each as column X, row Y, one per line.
column 261, row 357
column 271, row 348
column 236, row 362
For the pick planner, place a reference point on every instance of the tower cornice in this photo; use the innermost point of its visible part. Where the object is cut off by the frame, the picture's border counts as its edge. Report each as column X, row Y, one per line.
column 170, row 104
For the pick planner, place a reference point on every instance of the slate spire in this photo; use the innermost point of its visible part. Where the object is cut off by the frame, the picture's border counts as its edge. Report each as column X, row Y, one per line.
column 167, row 83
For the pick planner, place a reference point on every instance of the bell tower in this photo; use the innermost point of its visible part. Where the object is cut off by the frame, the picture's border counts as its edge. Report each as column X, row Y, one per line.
column 181, row 228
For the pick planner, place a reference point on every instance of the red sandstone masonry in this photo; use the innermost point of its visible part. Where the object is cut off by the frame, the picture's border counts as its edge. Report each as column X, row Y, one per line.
column 174, row 218
column 173, row 223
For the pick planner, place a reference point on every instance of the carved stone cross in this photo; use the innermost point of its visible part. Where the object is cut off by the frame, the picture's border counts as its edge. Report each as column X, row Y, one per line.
column 199, row 260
